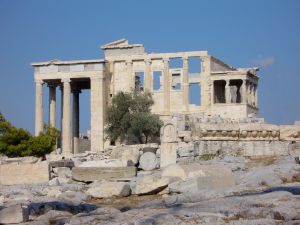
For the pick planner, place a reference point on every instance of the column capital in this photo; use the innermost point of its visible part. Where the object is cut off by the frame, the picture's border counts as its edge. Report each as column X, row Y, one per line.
column 38, row 81
column 166, row 60
column 185, row 58
column 66, row 80
column 128, row 62
column 148, row 61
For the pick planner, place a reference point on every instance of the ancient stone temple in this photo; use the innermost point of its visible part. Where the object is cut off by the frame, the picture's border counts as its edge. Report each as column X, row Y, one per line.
column 222, row 89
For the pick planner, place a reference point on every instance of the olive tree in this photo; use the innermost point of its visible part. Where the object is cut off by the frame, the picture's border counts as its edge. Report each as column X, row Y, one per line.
column 129, row 115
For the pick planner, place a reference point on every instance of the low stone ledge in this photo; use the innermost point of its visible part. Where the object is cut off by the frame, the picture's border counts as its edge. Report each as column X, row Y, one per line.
column 62, row 163
column 11, row 174
column 89, row 174
column 21, row 160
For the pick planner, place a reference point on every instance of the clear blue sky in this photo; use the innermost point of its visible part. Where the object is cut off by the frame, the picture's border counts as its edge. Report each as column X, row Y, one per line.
column 242, row 33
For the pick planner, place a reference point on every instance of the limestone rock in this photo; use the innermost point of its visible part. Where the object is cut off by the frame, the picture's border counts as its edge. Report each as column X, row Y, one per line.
column 73, row 196
column 52, row 192
column 2, row 200
column 128, row 154
column 150, row 184
column 148, row 161
column 197, row 177
column 64, row 172
column 88, row 174
column 105, row 189
column 53, row 215
column 54, row 182
column 14, row 214
column 196, row 170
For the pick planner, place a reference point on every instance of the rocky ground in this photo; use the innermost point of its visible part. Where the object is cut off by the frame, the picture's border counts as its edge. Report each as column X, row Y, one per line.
column 257, row 191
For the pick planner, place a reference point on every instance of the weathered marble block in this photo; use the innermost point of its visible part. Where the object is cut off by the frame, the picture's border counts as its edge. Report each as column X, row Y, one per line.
column 11, row 174
column 88, row 174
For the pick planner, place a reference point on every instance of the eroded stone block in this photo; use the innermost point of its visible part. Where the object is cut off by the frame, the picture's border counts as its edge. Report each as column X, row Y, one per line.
column 290, row 132
column 14, row 214
column 88, row 174
column 11, row 174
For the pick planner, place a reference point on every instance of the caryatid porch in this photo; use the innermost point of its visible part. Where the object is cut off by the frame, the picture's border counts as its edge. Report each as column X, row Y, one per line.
column 71, row 77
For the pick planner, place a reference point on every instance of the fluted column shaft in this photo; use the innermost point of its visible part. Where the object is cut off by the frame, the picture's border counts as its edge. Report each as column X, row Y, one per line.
column 148, row 83
column 76, row 121
column 52, row 105
column 38, row 107
column 130, row 75
column 185, row 85
column 66, row 123
column 166, row 86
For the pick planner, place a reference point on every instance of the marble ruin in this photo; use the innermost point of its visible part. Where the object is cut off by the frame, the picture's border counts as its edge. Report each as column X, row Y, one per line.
column 216, row 161
column 221, row 89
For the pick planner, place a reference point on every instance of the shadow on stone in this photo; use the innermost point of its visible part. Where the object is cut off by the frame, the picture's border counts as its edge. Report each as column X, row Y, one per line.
column 293, row 190
column 43, row 207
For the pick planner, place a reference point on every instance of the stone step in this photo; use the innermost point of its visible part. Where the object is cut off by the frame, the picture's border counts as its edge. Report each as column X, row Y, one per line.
column 89, row 174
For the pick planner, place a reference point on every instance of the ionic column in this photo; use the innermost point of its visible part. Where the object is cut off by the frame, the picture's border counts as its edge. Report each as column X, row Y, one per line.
column 38, row 107
column 148, row 77
column 185, row 85
column 243, row 92
column 52, row 105
column 166, row 86
column 66, row 120
column 130, row 74
column 61, row 88
column 227, row 92
column 76, row 121
column 97, row 113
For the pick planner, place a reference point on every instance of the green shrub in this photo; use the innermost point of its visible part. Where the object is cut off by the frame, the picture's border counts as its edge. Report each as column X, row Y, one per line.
column 14, row 141
column 17, row 142
column 42, row 144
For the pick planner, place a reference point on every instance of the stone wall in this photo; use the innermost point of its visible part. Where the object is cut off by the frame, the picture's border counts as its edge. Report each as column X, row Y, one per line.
column 198, row 135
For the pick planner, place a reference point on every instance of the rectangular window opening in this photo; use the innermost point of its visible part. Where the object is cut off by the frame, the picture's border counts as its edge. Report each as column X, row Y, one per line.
column 194, row 65
column 176, row 81
column 157, row 80
column 139, row 81
column 194, row 94
column 219, row 91
column 175, row 63
column 235, row 91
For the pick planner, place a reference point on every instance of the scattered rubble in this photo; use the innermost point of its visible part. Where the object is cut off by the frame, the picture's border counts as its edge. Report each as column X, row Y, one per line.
column 246, row 178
